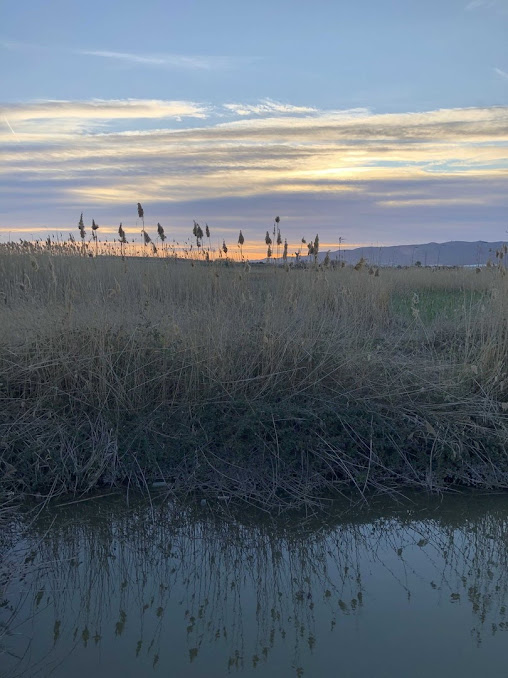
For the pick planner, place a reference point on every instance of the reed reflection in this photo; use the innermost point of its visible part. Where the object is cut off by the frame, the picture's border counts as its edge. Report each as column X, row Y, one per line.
column 164, row 586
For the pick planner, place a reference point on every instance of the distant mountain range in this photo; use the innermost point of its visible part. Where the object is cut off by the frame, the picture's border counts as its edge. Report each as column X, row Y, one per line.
column 453, row 253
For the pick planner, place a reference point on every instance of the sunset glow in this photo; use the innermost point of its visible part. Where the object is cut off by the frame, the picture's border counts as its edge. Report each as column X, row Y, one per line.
column 200, row 137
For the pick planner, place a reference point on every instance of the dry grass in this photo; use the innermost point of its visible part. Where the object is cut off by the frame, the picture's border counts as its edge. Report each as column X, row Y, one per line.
column 274, row 387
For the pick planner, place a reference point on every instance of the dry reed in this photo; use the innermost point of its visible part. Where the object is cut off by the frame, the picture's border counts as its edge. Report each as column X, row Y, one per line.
column 276, row 387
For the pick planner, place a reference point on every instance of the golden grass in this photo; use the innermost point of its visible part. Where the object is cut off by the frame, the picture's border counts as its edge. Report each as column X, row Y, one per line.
column 275, row 386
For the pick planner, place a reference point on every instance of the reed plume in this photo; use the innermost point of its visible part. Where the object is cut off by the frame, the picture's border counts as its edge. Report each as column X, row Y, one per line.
column 94, row 236
column 82, row 233
column 241, row 240
column 161, row 233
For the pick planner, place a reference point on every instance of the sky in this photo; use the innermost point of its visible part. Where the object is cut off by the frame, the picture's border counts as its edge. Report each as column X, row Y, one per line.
column 376, row 121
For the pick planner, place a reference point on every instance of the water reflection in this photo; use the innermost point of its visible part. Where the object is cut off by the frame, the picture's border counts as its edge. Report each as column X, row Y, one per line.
column 182, row 592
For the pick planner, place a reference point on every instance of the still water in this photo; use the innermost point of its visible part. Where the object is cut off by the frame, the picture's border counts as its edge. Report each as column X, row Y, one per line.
column 399, row 589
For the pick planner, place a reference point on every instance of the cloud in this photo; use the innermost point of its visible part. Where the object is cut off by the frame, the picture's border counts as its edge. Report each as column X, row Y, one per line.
column 477, row 4
column 335, row 169
column 183, row 61
column 105, row 109
column 198, row 62
column 502, row 74
column 268, row 107
column 56, row 117
column 434, row 202
column 500, row 6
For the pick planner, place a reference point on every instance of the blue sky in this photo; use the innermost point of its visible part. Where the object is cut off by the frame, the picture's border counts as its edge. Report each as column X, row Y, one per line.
column 378, row 121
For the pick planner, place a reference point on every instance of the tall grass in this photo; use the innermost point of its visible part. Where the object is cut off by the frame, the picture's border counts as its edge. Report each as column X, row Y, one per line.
column 277, row 387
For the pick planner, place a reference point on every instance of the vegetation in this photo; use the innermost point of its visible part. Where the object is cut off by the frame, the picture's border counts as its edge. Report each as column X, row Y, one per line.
column 277, row 386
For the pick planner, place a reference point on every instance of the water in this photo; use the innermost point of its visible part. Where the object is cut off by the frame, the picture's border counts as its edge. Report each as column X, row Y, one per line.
column 396, row 590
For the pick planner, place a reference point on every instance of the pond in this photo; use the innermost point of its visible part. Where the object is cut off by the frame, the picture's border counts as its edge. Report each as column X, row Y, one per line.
column 408, row 588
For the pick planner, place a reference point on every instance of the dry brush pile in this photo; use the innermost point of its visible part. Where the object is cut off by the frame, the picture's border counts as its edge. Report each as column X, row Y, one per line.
column 274, row 387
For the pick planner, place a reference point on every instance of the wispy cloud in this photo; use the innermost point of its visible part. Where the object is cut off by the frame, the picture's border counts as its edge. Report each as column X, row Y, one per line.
column 111, row 109
column 501, row 73
column 477, row 4
column 499, row 6
column 57, row 117
column 434, row 202
column 268, row 107
column 198, row 62
column 183, row 61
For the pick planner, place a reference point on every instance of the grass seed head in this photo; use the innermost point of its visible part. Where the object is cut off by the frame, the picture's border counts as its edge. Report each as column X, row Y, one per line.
column 121, row 233
column 81, row 226
column 161, row 233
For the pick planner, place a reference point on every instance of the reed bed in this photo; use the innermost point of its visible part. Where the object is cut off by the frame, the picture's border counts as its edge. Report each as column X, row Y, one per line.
column 274, row 386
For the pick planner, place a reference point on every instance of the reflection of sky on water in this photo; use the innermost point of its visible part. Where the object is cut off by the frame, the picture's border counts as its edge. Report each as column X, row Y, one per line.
column 389, row 593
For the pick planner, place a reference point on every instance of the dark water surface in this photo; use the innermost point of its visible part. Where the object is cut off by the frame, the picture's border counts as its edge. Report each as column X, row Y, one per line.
column 394, row 591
